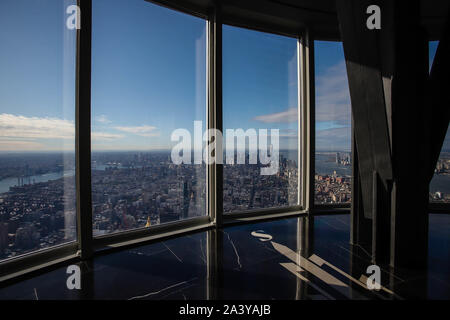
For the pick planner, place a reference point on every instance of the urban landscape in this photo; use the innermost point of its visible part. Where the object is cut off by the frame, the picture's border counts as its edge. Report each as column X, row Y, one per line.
column 333, row 178
column 440, row 185
column 142, row 189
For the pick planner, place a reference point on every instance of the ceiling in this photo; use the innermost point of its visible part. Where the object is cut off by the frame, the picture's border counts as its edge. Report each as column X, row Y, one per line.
column 291, row 17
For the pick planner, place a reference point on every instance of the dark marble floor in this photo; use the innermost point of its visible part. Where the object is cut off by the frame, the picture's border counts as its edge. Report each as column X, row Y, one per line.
column 296, row 258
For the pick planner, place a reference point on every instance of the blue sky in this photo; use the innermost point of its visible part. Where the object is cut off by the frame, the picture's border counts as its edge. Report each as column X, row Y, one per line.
column 333, row 111
column 149, row 78
column 260, row 83
column 37, row 78
column 432, row 51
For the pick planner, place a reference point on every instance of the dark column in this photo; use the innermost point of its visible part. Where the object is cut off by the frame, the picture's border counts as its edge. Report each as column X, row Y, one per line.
column 87, row 291
column 305, row 248
column 400, row 118
column 215, row 264
column 370, row 124
column 83, row 131
column 361, row 227
column 421, row 113
column 410, row 136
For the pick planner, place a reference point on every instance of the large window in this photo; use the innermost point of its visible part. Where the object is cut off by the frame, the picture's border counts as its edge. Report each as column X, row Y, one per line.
column 260, row 120
column 148, row 121
column 333, row 125
column 37, row 131
column 148, row 79
column 440, row 184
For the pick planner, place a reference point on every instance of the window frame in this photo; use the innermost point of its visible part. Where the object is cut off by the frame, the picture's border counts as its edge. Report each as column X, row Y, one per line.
column 121, row 238
column 303, row 104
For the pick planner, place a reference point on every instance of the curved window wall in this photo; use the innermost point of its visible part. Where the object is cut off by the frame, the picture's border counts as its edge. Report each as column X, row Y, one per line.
column 158, row 78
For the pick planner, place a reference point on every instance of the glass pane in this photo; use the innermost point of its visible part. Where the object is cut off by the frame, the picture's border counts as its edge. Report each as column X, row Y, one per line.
column 333, row 125
column 148, row 79
column 260, row 92
column 432, row 47
column 37, row 131
column 440, row 184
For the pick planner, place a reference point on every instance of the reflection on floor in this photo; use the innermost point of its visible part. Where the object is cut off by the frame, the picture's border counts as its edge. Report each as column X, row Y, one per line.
column 296, row 258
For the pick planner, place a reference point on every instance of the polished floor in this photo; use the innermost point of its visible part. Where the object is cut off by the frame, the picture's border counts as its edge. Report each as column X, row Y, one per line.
column 295, row 258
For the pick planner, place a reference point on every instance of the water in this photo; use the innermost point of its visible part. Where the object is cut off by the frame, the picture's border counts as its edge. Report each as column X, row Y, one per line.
column 326, row 166
column 440, row 183
column 5, row 184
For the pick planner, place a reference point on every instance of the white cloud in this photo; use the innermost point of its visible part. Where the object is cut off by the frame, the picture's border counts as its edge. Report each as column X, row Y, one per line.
column 337, row 139
column 333, row 97
column 143, row 131
column 288, row 133
column 23, row 133
column 290, row 115
column 16, row 126
column 282, row 133
column 105, row 136
column 103, row 119
column 14, row 145
column 332, row 100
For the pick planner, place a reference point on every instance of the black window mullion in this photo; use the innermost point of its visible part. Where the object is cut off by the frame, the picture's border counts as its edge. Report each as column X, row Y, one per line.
column 83, row 131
